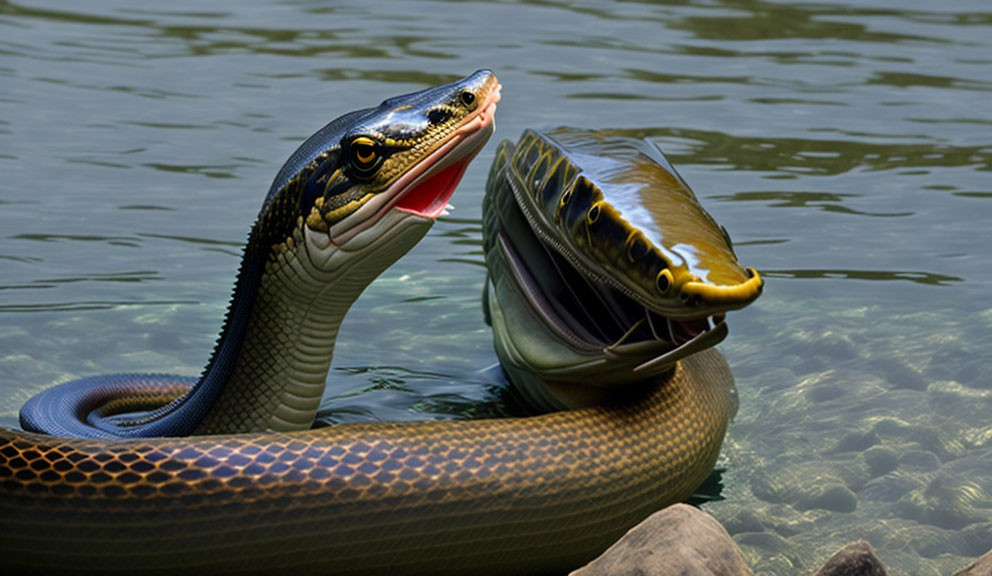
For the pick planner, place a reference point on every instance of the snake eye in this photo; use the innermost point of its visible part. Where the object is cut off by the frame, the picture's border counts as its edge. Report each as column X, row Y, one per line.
column 365, row 155
column 467, row 98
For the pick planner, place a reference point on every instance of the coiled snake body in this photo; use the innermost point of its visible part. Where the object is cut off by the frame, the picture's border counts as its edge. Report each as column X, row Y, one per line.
column 87, row 491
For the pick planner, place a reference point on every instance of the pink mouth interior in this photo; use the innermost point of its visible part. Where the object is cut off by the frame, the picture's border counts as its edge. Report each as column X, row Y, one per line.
column 429, row 198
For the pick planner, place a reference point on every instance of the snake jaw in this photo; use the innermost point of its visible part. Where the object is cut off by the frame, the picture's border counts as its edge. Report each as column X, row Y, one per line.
column 424, row 189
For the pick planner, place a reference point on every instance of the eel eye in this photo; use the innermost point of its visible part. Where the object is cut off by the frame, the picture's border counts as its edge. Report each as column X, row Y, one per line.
column 467, row 98
column 663, row 281
column 365, row 154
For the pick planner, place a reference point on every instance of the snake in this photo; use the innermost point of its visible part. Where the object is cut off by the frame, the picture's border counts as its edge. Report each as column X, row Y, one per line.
column 605, row 277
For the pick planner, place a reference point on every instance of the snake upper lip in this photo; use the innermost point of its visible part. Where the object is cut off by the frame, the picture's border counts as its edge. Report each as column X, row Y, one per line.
column 451, row 159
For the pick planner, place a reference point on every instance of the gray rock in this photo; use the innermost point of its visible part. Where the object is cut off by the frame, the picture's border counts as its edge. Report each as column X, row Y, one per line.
column 881, row 460
column 946, row 502
column 855, row 559
column 857, row 441
column 833, row 497
column 744, row 521
column 980, row 567
column 807, row 486
column 679, row 540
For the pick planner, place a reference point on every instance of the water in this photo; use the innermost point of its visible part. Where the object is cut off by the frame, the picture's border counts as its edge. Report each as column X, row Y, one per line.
column 846, row 146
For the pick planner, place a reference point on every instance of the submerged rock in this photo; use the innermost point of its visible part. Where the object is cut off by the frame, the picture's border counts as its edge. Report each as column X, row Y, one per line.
column 807, row 487
column 881, row 460
column 946, row 502
column 679, row 540
column 855, row 559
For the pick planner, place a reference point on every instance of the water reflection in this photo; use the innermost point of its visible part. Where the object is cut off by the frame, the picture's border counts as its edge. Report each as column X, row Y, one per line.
column 757, row 20
column 911, row 276
column 821, row 157
column 827, row 201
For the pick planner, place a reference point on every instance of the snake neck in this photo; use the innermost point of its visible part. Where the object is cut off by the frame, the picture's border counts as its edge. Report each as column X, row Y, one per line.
column 270, row 365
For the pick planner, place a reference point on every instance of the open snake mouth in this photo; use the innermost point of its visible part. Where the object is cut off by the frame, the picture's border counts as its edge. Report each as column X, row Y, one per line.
column 593, row 316
column 424, row 190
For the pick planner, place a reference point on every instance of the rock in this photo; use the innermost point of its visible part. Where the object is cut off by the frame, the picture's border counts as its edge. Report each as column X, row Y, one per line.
column 744, row 521
column 679, row 540
column 881, row 460
column 946, row 502
column 890, row 487
column 899, row 374
column 833, row 497
column 857, row 441
column 805, row 487
column 980, row 567
column 855, row 559
column 920, row 460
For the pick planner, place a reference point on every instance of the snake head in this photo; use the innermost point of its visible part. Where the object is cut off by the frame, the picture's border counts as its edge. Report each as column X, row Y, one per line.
column 406, row 155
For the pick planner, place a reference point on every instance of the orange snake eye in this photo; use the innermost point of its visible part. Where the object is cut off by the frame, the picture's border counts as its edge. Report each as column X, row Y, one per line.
column 364, row 150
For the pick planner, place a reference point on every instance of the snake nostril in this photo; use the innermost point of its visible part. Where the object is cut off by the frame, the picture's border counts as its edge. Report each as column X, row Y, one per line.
column 438, row 115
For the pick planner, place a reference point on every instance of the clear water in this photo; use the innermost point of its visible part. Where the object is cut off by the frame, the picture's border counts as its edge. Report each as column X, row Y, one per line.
column 847, row 146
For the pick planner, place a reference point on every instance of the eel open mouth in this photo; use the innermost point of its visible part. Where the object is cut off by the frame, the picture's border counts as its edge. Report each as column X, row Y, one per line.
column 592, row 316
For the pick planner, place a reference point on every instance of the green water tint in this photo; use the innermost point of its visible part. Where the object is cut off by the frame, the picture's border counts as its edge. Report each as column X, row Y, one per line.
column 845, row 146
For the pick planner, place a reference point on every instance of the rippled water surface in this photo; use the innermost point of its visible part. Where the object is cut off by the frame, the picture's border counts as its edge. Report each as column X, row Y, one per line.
column 846, row 146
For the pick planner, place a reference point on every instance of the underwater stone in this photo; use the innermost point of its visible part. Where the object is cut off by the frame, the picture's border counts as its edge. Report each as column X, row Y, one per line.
column 744, row 521
column 881, row 460
column 931, row 541
column 810, row 486
column 946, row 502
column 763, row 489
column 776, row 564
column 950, row 397
column 857, row 441
column 812, row 365
column 855, row 559
column 898, row 374
column 890, row 487
column 977, row 538
column 920, row 460
column 779, row 378
column 679, row 540
column 768, row 541
column 945, row 445
column 834, row 497
column 891, row 427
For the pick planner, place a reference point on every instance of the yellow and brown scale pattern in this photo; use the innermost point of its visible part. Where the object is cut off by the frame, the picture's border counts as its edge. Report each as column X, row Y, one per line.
column 423, row 497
